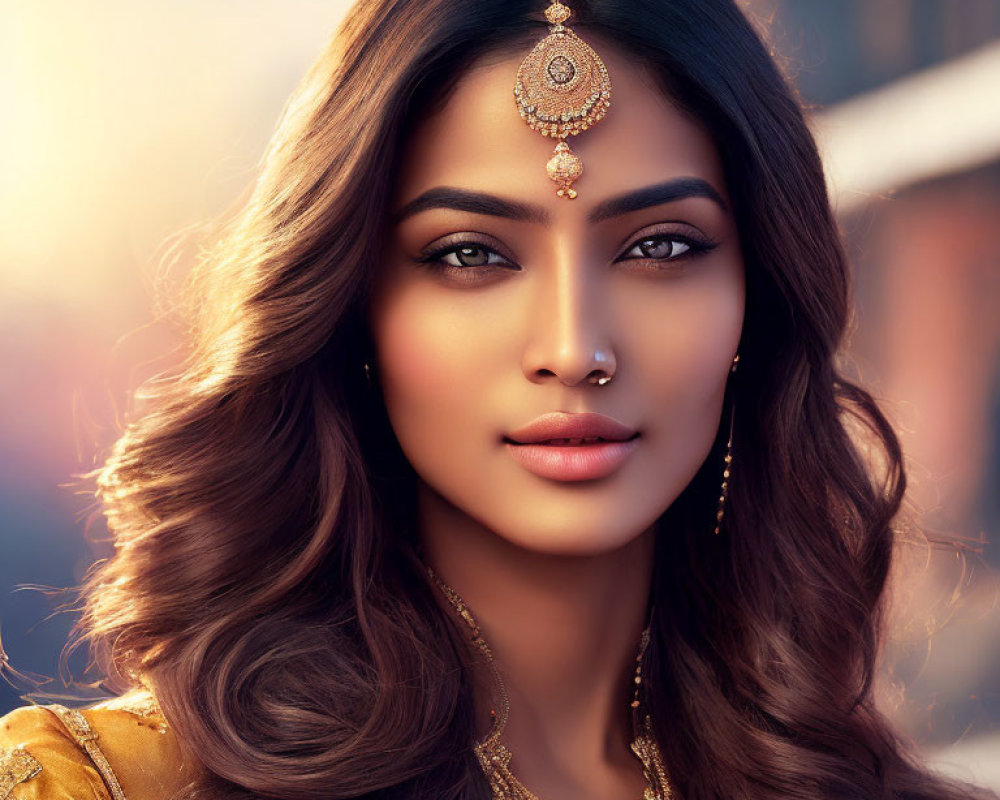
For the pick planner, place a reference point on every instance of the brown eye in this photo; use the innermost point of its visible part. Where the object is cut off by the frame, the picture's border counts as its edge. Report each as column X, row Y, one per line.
column 463, row 255
column 659, row 248
column 470, row 255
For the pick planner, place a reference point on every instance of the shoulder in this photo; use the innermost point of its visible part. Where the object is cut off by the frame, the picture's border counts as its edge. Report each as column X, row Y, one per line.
column 120, row 749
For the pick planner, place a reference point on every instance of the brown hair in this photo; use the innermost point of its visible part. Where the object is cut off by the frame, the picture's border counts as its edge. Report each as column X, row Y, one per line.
column 263, row 513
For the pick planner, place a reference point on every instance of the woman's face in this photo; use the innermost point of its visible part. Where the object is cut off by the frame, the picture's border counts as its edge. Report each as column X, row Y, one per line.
column 498, row 300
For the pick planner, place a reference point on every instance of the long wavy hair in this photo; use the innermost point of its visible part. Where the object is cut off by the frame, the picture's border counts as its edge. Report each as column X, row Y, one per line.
column 264, row 577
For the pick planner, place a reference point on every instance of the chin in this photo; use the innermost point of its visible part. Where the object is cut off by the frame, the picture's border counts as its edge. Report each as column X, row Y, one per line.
column 574, row 519
column 568, row 534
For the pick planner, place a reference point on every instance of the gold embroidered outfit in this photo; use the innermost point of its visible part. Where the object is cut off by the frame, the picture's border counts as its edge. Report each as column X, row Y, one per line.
column 119, row 749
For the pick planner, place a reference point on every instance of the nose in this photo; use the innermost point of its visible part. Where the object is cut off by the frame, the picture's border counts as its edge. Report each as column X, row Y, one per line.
column 569, row 339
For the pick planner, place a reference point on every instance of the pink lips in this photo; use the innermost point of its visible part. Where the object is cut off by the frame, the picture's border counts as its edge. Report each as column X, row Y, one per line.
column 551, row 446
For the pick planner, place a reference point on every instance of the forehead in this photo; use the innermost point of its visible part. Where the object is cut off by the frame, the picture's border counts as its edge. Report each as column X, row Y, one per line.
column 478, row 140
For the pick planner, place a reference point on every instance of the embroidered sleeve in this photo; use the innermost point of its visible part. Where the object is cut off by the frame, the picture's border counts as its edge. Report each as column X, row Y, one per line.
column 118, row 749
column 40, row 760
column 84, row 735
column 16, row 766
column 135, row 737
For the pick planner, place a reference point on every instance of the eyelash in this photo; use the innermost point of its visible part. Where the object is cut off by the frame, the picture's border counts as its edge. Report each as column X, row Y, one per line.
column 695, row 247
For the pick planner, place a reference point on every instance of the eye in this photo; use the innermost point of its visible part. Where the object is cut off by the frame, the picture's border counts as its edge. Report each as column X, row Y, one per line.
column 466, row 261
column 665, row 247
column 467, row 255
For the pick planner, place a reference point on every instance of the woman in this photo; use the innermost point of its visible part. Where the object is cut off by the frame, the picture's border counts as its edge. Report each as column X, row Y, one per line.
column 369, row 542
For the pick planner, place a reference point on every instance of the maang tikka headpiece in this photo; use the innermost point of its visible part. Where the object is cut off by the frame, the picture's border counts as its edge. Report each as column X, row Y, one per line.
column 562, row 88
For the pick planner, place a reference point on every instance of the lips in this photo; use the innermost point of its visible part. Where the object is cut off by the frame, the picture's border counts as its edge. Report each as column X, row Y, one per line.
column 572, row 447
column 561, row 429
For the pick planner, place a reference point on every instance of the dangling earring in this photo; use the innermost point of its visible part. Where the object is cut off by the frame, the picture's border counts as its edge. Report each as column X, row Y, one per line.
column 368, row 373
column 728, row 460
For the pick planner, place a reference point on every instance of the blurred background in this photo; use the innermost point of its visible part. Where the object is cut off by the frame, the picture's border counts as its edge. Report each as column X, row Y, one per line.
column 126, row 126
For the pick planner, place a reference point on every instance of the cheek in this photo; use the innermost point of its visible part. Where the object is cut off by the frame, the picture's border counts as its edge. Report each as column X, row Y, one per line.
column 432, row 359
column 682, row 342
column 418, row 352
column 685, row 337
column 413, row 349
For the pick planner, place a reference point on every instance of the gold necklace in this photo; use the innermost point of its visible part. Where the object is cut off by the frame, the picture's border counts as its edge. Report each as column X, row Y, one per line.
column 494, row 756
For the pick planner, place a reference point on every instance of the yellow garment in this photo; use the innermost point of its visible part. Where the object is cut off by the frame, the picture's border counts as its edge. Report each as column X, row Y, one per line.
column 120, row 749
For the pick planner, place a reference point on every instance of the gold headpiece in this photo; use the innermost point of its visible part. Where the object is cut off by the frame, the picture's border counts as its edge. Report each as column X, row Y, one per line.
column 562, row 88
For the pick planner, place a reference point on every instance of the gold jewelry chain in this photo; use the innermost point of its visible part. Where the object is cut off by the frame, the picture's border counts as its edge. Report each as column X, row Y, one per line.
column 494, row 756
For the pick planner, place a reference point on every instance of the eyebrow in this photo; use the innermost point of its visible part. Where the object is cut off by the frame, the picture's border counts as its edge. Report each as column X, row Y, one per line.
column 492, row 205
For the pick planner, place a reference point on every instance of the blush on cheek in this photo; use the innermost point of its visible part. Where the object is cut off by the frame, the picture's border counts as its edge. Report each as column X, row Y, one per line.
column 419, row 353
column 707, row 368
column 693, row 369
column 709, row 357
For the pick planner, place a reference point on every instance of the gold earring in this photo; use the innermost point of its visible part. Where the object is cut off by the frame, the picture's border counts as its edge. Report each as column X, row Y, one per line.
column 637, row 680
column 727, row 460
column 368, row 373
column 562, row 88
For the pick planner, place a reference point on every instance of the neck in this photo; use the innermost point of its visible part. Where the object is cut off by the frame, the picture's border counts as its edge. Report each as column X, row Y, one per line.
column 564, row 631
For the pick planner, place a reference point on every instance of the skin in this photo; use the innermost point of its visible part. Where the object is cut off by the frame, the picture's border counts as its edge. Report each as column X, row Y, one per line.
column 557, row 573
